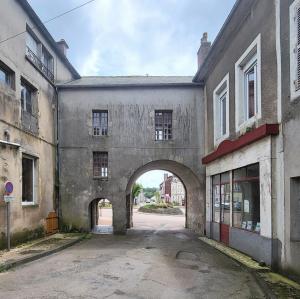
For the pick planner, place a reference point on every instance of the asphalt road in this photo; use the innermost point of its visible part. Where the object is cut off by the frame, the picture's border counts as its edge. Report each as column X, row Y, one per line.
column 163, row 262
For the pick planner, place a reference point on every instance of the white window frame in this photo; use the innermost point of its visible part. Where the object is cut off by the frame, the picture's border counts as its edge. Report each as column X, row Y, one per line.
column 219, row 92
column 250, row 57
column 33, row 159
column 294, row 48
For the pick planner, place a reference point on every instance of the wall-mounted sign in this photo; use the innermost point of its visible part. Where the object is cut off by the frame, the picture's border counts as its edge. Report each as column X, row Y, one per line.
column 9, row 187
column 8, row 198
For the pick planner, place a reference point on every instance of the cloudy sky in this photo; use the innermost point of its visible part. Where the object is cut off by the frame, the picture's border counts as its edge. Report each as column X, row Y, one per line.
column 134, row 37
column 152, row 178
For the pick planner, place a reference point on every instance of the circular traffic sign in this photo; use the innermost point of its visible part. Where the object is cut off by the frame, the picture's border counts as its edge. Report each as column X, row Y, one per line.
column 9, row 187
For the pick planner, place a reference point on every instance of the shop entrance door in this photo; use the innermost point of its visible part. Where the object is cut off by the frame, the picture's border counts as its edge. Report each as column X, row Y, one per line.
column 224, row 208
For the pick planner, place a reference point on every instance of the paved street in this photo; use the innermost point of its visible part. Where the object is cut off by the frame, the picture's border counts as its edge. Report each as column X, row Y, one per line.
column 147, row 263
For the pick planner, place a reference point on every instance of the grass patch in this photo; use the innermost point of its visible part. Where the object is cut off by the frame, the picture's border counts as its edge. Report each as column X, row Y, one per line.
column 161, row 208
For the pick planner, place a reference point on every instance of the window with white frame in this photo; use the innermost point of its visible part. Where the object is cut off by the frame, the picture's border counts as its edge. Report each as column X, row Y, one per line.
column 28, row 179
column 295, row 49
column 27, row 97
column 248, row 85
column 221, row 110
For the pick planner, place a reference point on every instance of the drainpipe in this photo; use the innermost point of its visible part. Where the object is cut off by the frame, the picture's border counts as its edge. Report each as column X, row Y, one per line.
column 57, row 172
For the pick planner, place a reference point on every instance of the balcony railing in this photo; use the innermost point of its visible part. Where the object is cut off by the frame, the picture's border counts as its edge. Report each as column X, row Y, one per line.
column 38, row 63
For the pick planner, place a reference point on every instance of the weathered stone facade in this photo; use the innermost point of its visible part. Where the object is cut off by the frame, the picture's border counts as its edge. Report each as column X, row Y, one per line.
column 27, row 134
column 258, row 41
column 132, row 149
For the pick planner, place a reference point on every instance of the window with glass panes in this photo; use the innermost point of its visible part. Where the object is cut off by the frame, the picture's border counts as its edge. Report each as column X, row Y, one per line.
column 163, row 125
column 246, row 198
column 100, row 122
column 100, row 164
column 28, row 178
column 6, row 75
column 27, row 93
column 221, row 198
column 250, row 91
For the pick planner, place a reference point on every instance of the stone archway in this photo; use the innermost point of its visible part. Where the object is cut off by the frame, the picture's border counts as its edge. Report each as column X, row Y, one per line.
column 195, row 200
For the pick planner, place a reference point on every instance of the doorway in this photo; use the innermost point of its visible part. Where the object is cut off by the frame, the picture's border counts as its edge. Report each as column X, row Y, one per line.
column 101, row 216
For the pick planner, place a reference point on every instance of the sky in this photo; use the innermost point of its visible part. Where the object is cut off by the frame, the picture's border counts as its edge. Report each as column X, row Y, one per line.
column 152, row 178
column 134, row 37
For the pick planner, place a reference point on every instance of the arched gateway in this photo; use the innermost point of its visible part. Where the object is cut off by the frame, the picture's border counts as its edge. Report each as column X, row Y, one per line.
column 193, row 190
column 112, row 130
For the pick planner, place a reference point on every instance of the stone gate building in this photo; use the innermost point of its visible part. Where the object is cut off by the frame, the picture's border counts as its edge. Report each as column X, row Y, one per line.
column 231, row 133
column 113, row 129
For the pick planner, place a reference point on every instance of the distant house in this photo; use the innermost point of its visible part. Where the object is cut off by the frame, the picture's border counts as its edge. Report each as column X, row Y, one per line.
column 172, row 190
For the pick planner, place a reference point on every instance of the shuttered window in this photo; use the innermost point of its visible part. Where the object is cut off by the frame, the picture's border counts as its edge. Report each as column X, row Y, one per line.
column 295, row 50
column 297, row 83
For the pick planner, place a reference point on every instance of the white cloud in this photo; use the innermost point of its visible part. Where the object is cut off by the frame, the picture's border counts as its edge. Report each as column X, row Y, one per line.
column 135, row 37
column 126, row 37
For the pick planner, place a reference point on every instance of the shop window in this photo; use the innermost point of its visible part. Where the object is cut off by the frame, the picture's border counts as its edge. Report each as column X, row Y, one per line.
column 28, row 178
column 100, row 122
column 221, row 198
column 246, row 198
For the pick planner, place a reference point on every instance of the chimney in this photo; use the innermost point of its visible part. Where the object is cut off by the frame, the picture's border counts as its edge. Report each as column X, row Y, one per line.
column 165, row 176
column 203, row 50
column 63, row 46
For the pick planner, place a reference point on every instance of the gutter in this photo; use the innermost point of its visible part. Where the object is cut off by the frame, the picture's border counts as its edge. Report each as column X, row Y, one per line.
column 66, row 86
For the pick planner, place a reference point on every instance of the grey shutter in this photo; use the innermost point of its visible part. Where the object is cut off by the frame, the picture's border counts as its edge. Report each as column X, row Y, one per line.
column 297, row 83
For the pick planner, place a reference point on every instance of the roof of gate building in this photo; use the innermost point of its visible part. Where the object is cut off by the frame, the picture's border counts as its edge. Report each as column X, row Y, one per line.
column 111, row 81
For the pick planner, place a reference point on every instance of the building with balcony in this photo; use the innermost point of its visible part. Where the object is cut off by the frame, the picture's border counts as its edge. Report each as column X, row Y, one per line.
column 30, row 66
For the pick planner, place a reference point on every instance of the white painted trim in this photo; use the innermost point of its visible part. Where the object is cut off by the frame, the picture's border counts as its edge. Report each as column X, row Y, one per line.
column 293, row 46
column 278, row 58
column 252, row 53
column 33, row 202
column 222, row 87
column 10, row 143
